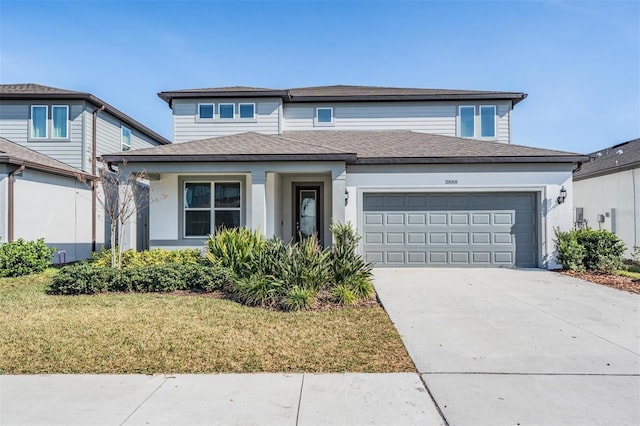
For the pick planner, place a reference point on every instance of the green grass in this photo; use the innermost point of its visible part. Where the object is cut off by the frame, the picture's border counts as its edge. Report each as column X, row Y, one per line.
column 629, row 273
column 167, row 333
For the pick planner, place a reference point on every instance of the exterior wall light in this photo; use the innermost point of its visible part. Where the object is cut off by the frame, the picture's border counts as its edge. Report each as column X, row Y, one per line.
column 562, row 196
column 346, row 197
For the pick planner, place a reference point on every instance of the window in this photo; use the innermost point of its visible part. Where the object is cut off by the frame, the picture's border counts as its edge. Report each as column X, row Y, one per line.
column 488, row 121
column 125, row 139
column 38, row 121
column 226, row 110
column 205, row 111
column 60, row 121
column 247, row 110
column 467, row 121
column 200, row 214
column 324, row 115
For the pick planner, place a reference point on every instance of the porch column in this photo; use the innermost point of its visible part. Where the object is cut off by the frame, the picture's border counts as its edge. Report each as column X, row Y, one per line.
column 338, row 180
column 258, row 211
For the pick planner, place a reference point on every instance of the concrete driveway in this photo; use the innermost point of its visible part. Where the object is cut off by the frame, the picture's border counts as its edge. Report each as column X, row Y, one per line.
column 519, row 347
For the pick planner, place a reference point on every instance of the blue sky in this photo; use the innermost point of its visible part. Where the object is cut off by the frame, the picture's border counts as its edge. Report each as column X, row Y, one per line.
column 578, row 61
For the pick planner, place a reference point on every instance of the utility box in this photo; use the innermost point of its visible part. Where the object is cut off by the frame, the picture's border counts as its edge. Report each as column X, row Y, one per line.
column 579, row 215
column 600, row 218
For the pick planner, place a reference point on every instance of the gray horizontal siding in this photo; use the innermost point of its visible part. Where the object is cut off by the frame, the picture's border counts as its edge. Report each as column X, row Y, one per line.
column 14, row 125
column 187, row 127
column 428, row 117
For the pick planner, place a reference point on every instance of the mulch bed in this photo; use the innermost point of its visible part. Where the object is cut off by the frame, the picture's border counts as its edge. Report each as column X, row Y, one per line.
column 610, row 280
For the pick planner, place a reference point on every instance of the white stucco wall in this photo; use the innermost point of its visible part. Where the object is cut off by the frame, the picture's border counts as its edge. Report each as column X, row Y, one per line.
column 55, row 208
column 543, row 179
column 619, row 192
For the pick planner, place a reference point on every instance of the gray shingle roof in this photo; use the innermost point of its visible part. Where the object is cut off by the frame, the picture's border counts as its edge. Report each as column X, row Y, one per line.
column 351, row 146
column 614, row 159
column 341, row 93
column 33, row 91
column 13, row 153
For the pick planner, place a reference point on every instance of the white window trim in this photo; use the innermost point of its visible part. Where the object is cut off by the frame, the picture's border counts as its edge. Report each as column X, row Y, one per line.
column 460, row 108
column 212, row 209
column 323, row 123
column 66, row 107
column 227, row 104
column 122, row 144
column 214, row 111
column 495, row 121
column 46, row 123
column 254, row 111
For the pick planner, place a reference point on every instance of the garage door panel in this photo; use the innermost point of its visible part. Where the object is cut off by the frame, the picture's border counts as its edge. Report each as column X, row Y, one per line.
column 450, row 229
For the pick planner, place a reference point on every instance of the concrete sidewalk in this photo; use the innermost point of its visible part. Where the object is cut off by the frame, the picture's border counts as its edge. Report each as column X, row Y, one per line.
column 226, row 399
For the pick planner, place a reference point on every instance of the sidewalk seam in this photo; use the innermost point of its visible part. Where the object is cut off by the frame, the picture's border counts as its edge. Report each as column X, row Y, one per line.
column 144, row 400
column 300, row 399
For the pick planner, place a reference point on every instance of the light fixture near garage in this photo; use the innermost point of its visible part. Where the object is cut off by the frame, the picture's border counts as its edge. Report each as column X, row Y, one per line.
column 346, row 197
column 562, row 196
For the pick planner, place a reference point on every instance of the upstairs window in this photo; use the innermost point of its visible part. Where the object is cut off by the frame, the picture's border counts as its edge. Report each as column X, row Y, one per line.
column 60, row 121
column 488, row 121
column 205, row 111
column 226, row 111
column 247, row 110
column 125, row 139
column 324, row 117
column 467, row 121
column 39, row 121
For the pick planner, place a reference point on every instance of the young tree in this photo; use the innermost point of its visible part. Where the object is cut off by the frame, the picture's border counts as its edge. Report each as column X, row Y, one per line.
column 121, row 194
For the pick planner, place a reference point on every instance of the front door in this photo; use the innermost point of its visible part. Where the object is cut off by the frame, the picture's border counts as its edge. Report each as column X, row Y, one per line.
column 307, row 212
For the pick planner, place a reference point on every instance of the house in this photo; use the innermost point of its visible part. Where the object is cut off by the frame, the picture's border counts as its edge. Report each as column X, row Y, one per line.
column 50, row 139
column 607, row 192
column 428, row 177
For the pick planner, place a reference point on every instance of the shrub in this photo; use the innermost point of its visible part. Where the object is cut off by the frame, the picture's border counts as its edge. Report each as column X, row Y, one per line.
column 298, row 298
column 588, row 249
column 235, row 248
column 155, row 278
column 205, row 278
column 22, row 257
column 82, row 278
column 635, row 254
column 343, row 295
column 257, row 290
column 347, row 266
column 570, row 252
column 157, row 256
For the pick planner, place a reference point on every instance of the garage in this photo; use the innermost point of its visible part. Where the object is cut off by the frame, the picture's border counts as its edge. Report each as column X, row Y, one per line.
column 450, row 230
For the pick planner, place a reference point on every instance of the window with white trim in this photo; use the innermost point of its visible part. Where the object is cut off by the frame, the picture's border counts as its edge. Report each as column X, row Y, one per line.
column 39, row 121
column 125, row 139
column 226, row 111
column 201, row 216
column 206, row 111
column 247, row 111
column 59, row 122
column 467, row 118
column 488, row 121
column 324, row 116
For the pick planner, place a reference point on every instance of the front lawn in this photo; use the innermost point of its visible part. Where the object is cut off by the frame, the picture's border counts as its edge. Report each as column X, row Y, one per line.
column 184, row 333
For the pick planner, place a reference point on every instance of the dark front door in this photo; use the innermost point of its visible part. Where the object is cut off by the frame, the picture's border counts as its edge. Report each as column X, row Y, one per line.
column 307, row 212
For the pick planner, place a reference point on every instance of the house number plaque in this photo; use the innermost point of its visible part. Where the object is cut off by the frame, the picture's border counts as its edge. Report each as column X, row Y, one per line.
column 450, row 181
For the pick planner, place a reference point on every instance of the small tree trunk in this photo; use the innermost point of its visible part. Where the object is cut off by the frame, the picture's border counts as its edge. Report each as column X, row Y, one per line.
column 114, row 247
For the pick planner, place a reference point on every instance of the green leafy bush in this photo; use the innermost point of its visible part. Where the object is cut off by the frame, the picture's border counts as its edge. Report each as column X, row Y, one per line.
column 82, row 278
column 257, row 290
column 343, row 295
column 298, row 299
column 235, row 248
column 22, row 257
column 157, row 256
column 347, row 266
column 601, row 250
column 89, row 278
column 570, row 252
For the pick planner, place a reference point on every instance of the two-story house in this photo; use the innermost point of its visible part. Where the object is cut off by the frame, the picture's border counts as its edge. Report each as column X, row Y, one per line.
column 50, row 139
column 428, row 177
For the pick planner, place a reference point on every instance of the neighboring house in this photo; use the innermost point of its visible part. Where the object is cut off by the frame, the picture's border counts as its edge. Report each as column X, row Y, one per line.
column 70, row 128
column 607, row 192
column 428, row 177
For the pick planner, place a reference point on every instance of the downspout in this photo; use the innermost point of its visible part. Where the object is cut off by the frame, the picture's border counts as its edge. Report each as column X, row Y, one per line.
column 10, row 201
column 94, row 169
column 635, row 209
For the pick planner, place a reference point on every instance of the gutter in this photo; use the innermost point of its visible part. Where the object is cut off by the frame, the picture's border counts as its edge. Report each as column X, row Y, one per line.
column 11, row 201
column 94, row 167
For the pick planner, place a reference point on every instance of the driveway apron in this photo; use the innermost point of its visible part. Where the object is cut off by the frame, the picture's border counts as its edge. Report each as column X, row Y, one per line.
column 504, row 346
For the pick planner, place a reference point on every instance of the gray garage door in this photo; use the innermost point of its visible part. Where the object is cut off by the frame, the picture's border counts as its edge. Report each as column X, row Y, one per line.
column 415, row 229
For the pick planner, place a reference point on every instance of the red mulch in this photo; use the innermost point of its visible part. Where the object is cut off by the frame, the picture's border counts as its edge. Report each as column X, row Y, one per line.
column 610, row 280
